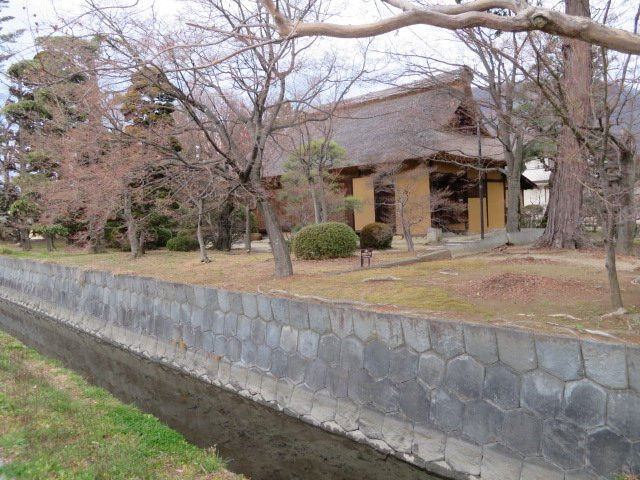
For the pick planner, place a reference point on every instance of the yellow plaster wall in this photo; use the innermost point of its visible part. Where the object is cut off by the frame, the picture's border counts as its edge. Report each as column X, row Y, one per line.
column 474, row 214
column 417, row 208
column 496, row 204
column 363, row 191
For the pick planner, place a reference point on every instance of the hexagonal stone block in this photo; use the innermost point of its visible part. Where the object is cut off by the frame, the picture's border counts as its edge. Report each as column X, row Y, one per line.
column 289, row 339
column 329, row 348
column 446, row 410
column 398, row 433
column 389, row 329
column 316, row 375
column 499, row 464
column 298, row 315
column 464, row 376
column 446, row 338
column 324, row 407
column 517, row 349
column 347, row 414
column 463, row 456
column 301, row 401
column 279, row 363
column 244, row 327
column 482, row 421
column 580, row 474
column 235, row 303
column 605, row 364
column 249, row 353
column 341, row 322
column 264, row 308
column 308, row 341
column 414, row 401
column 431, row 369
column 562, row 444
column 250, row 305
column 607, row 451
column 274, row 331
column 258, row 331
column 297, row 366
column 428, row 444
column 634, row 460
column 633, row 363
column 541, row 393
column 623, row 413
column 522, row 432
column 234, row 349
column 263, row 357
column 385, row 396
column 502, row 387
column 280, row 310
column 377, row 359
column 352, row 354
column 539, row 469
column 359, row 386
column 416, row 333
column 364, row 325
column 216, row 320
column 337, row 381
column 371, row 422
column 560, row 357
column 585, row 403
column 404, row 365
column 480, row 342
column 230, row 324
column 319, row 320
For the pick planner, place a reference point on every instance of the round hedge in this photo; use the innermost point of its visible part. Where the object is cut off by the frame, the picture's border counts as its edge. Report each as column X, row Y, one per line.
column 182, row 243
column 376, row 235
column 325, row 240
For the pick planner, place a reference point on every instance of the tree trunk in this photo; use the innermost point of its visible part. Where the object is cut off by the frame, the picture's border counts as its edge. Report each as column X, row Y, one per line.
column 406, row 228
column 204, row 258
column 322, row 198
column 142, row 243
column 627, row 212
column 247, row 229
column 25, row 239
column 49, row 242
column 514, row 160
column 564, row 212
column 314, row 199
column 610, row 263
column 96, row 245
column 224, row 227
column 132, row 231
column 279, row 248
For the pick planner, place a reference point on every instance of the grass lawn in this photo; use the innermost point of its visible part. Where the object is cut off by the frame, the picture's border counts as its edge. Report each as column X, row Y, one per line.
column 550, row 290
column 54, row 425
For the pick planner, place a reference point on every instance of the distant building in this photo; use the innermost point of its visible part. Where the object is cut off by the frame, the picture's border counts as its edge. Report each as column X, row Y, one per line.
column 539, row 174
column 429, row 129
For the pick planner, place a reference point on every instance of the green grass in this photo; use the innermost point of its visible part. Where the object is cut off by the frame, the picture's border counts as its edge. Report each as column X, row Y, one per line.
column 54, row 425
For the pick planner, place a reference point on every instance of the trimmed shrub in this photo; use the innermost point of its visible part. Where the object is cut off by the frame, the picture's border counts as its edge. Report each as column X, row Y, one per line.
column 182, row 243
column 325, row 240
column 376, row 235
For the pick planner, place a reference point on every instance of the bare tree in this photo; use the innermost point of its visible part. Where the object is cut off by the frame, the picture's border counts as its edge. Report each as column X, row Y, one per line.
column 522, row 17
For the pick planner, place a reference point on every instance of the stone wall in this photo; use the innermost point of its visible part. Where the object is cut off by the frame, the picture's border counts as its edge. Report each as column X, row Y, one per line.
column 462, row 400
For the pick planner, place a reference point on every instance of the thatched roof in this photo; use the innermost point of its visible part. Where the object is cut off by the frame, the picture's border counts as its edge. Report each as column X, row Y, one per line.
column 415, row 121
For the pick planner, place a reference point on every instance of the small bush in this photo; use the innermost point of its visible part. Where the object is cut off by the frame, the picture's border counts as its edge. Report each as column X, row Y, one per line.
column 325, row 240
column 376, row 235
column 182, row 243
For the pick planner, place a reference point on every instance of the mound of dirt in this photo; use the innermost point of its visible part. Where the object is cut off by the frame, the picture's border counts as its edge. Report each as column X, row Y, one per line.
column 515, row 286
column 528, row 261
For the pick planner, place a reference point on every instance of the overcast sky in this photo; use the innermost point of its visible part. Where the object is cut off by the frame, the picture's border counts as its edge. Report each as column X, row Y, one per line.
column 40, row 17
